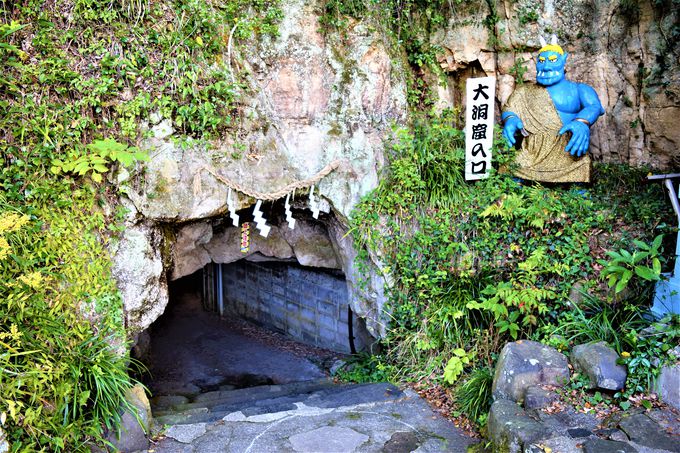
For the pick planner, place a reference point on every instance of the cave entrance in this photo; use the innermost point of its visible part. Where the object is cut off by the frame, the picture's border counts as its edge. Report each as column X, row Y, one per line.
column 275, row 313
column 192, row 350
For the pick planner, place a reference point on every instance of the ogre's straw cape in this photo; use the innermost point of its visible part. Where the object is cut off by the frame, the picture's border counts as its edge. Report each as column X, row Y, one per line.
column 544, row 113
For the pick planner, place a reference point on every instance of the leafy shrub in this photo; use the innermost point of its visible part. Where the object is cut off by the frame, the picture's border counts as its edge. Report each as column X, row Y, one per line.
column 474, row 265
column 63, row 377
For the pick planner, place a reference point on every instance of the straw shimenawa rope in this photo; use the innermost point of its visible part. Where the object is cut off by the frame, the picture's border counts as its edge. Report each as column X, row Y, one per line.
column 270, row 196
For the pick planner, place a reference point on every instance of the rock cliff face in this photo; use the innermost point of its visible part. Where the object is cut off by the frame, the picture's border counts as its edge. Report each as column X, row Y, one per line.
column 312, row 99
column 624, row 49
column 315, row 98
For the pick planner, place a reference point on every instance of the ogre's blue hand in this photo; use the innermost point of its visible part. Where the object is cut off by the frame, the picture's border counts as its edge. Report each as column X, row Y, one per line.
column 580, row 138
column 511, row 126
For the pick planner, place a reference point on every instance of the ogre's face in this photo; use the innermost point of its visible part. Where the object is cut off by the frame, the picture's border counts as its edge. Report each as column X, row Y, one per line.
column 550, row 67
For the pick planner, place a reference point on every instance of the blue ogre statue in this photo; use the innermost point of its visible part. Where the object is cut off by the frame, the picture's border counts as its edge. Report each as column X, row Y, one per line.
column 544, row 113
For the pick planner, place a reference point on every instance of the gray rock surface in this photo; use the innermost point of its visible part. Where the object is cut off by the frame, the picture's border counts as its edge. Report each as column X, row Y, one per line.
column 510, row 427
column 367, row 418
column 523, row 364
column 598, row 362
column 537, row 397
column 134, row 427
column 668, row 385
column 328, row 438
column 138, row 270
column 638, row 127
column 644, row 431
column 607, row 446
column 4, row 445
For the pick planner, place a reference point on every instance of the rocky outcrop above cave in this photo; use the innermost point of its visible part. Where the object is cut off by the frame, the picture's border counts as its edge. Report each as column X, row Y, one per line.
column 623, row 49
column 312, row 99
column 197, row 245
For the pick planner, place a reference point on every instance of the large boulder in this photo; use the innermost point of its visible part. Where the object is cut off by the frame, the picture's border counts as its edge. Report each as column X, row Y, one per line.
column 510, row 427
column 524, row 364
column 598, row 362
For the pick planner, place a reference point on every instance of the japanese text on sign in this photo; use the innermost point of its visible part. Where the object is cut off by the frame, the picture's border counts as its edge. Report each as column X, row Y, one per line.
column 479, row 116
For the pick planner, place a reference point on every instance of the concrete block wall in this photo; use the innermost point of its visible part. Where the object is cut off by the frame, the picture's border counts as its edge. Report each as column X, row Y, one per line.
column 308, row 304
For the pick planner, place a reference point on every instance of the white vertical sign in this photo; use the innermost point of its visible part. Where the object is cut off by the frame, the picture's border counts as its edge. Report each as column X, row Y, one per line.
column 479, row 116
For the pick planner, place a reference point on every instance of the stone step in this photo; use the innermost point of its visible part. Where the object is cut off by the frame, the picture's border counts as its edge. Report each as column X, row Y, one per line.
column 167, row 403
column 319, row 394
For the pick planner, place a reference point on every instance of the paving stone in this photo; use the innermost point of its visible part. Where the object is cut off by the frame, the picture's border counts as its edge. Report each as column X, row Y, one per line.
column 186, row 433
column 523, row 364
column 607, row 446
column 328, row 439
column 598, row 362
column 644, row 431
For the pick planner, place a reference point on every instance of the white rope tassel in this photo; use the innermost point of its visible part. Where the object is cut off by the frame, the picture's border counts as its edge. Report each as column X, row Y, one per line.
column 289, row 213
column 232, row 208
column 313, row 203
column 260, row 222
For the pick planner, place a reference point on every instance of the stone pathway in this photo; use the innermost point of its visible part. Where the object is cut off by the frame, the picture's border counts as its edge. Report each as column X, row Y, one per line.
column 337, row 418
column 219, row 387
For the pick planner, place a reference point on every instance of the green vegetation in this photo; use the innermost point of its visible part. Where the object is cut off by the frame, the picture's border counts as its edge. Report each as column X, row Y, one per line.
column 79, row 79
column 477, row 265
column 474, row 265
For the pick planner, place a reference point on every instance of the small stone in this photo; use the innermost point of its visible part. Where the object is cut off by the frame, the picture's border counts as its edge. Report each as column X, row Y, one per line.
column 537, row 397
column 523, row 364
column 4, row 445
column 598, row 362
column 155, row 118
column 337, row 366
column 607, row 446
column 618, row 435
